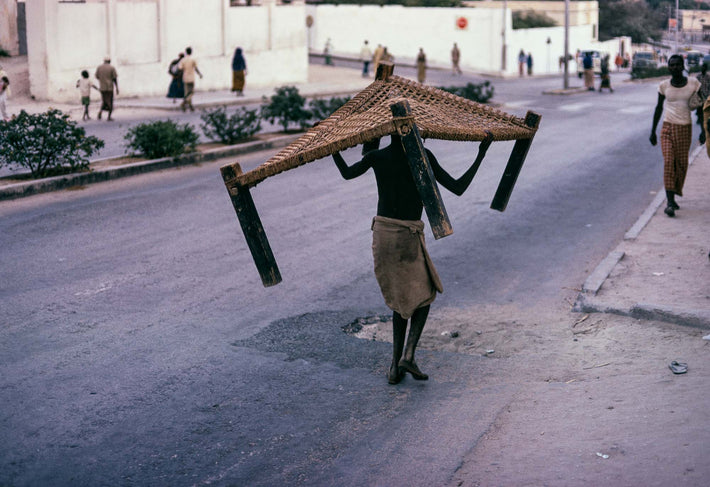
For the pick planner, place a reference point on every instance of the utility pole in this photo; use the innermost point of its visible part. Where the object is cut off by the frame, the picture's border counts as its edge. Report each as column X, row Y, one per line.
column 503, row 57
column 566, row 74
column 677, row 27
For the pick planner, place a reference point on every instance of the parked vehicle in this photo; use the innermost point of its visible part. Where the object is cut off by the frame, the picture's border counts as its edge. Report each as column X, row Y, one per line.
column 596, row 62
column 692, row 58
column 644, row 59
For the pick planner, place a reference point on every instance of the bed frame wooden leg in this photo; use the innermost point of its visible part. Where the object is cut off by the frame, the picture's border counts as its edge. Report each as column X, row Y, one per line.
column 251, row 226
column 422, row 172
column 515, row 164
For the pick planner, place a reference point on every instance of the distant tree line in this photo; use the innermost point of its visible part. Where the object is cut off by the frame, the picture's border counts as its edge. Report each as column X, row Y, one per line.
column 641, row 20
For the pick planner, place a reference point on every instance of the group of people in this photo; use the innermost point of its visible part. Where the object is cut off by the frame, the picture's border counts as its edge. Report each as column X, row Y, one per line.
column 588, row 72
column 182, row 85
column 367, row 56
column 183, row 72
column 622, row 61
column 381, row 54
column 525, row 61
column 107, row 77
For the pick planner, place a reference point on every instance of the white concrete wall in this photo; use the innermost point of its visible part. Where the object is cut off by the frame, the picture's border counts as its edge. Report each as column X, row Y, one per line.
column 404, row 30
column 143, row 36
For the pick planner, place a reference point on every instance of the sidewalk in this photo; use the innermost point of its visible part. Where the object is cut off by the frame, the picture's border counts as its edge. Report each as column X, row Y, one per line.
column 661, row 270
column 323, row 81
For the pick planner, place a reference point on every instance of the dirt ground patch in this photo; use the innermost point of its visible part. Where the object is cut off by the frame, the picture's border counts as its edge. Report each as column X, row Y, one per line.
column 596, row 397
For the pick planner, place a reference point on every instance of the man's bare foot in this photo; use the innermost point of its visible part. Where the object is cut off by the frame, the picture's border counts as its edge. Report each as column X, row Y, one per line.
column 412, row 368
column 395, row 375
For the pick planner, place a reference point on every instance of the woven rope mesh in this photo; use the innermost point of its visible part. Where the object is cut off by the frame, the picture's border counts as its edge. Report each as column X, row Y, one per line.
column 438, row 115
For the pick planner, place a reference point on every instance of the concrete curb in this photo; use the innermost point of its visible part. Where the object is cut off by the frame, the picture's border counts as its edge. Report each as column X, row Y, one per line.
column 56, row 183
column 596, row 279
column 652, row 312
column 587, row 303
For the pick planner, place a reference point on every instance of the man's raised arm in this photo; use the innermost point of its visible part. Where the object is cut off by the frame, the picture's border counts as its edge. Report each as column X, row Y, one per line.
column 460, row 185
column 350, row 172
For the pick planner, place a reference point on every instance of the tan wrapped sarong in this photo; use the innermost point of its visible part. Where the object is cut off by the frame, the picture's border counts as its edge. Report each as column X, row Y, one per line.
column 406, row 275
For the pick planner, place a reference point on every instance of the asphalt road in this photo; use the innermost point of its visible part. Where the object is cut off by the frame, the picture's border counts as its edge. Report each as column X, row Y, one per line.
column 138, row 346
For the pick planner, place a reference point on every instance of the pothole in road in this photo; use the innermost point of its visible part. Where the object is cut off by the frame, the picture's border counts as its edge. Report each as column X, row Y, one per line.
column 366, row 327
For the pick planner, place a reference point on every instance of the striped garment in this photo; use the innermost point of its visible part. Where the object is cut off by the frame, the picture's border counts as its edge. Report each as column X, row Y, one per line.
column 675, row 146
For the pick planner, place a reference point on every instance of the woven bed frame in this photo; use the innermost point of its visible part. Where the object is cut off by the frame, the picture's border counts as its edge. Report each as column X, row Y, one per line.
column 389, row 105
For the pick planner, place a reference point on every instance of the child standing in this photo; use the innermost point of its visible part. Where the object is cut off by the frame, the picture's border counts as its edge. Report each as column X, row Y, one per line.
column 84, row 85
column 4, row 86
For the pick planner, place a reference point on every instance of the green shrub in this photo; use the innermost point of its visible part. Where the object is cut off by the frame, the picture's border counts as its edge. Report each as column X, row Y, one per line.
column 46, row 143
column 286, row 107
column 659, row 72
column 161, row 139
column 479, row 92
column 649, row 72
column 228, row 129
column 4, row 53
column 322, row 108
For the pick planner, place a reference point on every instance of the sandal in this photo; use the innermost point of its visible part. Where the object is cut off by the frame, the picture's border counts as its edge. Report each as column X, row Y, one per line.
column 678, row 367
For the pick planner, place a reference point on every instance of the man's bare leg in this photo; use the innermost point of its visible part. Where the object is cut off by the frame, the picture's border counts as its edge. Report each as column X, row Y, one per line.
column 399, row 330
column 415, row 332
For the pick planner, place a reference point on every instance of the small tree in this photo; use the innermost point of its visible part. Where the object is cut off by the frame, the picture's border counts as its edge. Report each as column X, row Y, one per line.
column 530, row 19
column 46, row 143
column 286, row 107
column 161, row 139
column 228, row 129
column 322, row 109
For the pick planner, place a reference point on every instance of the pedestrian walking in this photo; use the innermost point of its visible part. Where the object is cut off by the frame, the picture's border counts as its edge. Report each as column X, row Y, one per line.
column 4, row 87
column 521, row 63
column 365, row 58
column 588, row 65
column 176, row 89
column 377, row 57
column 529, row 61
column 84, row 84
column 606, row 78
column 239, row 71
column 677, row 129
column 327, row 53
column 386, row 55
column 704, row 91
column 421, row 66
column 188, row 66
column 619, row 61
column 407, row 277
column 3, row 74
column 108, row 79
column 455, row 58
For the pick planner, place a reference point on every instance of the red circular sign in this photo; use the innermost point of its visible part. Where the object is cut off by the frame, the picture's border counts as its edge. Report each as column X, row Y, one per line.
column 461, row 22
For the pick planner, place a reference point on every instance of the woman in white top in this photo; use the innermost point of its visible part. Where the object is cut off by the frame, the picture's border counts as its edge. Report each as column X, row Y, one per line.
column 677, row 129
